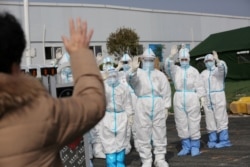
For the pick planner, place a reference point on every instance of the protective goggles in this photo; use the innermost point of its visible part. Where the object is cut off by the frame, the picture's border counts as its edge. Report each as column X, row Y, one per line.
column 184, row 59
column 209, row 60
column 125, row 62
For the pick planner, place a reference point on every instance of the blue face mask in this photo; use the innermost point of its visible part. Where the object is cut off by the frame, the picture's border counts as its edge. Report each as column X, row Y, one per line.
column 210, row 65
column 148, row 65
column 184, row 64
column 125, row 67
column 112, row 81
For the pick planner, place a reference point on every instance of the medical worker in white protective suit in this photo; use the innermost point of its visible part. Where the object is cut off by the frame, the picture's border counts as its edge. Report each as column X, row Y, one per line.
column 64, row 69
column 125, row 64
column 215, row 110
column 98, row 150
column 107, row 63
column 154, row 98
column 189, row 90
column 115, row 122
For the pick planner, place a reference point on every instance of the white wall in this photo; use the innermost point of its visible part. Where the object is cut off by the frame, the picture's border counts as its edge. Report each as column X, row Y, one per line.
column 159, row 27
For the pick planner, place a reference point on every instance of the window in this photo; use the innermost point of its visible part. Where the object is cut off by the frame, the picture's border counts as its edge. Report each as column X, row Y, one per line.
column 96, row 49
column 50, row 52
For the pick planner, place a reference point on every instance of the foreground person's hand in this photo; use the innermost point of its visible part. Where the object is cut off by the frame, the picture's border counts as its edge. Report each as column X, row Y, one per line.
column 79, row 36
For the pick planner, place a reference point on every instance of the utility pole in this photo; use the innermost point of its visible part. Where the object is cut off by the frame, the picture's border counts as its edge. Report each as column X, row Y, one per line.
column 29, row 52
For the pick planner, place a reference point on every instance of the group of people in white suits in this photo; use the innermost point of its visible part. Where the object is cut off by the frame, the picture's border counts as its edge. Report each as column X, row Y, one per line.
column 138, row 100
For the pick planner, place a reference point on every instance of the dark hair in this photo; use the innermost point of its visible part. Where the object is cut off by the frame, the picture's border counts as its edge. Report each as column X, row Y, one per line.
column 12, row 42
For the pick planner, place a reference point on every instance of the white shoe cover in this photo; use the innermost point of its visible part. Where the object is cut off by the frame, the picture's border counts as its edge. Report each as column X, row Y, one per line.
column 147, row 165
column 161, row 163
column 100, row 155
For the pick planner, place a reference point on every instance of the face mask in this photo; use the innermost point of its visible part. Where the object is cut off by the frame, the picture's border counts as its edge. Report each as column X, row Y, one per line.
column 125, row 67
column 184, row 64
column 148, row 65
column 112, row 81
column 209, row 65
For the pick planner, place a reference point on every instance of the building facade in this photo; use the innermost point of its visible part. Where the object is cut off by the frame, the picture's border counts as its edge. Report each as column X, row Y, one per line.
column 49, row 21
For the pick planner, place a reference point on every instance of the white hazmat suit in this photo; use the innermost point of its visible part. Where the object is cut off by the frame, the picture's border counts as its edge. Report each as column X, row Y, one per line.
column 115, row 122
column 64, row 69
column 125, row 64
column 154, row 97
column 189, row 88
column 98, row 150
column 215, row 110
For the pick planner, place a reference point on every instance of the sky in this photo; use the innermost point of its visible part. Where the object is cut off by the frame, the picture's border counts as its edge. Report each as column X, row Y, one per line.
column 221, row 7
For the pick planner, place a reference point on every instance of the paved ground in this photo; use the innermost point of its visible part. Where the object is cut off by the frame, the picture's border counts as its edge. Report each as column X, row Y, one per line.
column 236, row 156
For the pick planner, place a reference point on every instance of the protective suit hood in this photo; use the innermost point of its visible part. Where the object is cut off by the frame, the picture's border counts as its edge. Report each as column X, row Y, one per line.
column 184, row 53
column 107, row 63
column 148, row 54
column 209, row 57
column 148, row 57
column 126, row 57
column 184, row 57
column 113, row 79
column 126, row 60
column 108, row 59
column 209, row 62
